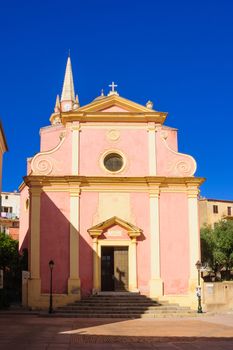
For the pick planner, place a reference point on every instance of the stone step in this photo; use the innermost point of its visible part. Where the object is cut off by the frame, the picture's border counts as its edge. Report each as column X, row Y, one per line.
column 122, row 306
column 119, row 304
column 144, row 302
column 113, row 307
column 124, row 316
column 130, row 312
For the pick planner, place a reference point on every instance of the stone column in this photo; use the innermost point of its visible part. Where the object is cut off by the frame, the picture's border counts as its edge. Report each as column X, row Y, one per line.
column 133, row 283
column 74, row 280
column 75, row 148
column 34, row 283
column 152, row 149
column 156, row 284
column 194, row 235
column 96, row 286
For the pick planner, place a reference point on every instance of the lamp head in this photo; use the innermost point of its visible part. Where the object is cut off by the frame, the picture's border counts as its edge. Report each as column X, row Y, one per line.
column 51, row 264
column 198, row 265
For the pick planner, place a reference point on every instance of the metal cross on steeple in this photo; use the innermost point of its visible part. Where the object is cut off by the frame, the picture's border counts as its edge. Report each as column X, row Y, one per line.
column 113, row 91
column 113, row 86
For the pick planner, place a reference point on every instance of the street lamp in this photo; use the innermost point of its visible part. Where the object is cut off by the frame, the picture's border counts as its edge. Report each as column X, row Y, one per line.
column 51, row 265
column 198, row 266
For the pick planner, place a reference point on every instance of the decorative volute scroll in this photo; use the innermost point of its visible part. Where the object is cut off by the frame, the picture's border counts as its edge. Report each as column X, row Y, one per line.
column 43, row 163
column 175, row 163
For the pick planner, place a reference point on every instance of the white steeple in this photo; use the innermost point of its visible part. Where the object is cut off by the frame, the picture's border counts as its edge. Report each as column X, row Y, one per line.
column 68, row 94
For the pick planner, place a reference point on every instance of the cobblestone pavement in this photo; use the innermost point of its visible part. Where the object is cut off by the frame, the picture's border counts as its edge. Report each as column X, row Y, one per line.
column 28, row 332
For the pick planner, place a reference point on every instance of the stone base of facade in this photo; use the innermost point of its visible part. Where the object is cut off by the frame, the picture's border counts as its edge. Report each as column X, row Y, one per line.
column 74, row 286
column 156, row 288
column 188, row 300
column 34, row 299
column 192, row 284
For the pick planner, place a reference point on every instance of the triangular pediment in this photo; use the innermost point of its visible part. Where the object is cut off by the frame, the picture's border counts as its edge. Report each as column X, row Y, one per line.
column 114, row 103
column 97, row 230
column 112, row 108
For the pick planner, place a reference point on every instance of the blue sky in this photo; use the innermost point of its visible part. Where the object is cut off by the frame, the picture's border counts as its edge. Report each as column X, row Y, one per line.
column 177, row 53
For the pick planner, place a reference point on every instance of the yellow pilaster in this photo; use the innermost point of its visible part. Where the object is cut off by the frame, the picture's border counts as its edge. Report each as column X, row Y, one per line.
column 152, row 149
column 156, row 284
column 133, row 265
column 194, row 236
column 34, row 283
column 75, row 148
column 96, row 277
column 74, row 280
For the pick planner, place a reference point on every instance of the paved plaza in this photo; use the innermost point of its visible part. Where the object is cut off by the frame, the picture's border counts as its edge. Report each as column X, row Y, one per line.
column 43, row 333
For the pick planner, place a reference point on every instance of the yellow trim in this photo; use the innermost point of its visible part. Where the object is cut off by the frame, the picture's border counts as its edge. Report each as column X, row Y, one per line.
column 152, row 149
column 133, row 232
column 35, row 232
column 74, row 280
column 132, row 262
column 121, row 126
column 114, row 100
column 194, row 235
column 117, row 181
column 75, row 149
column 156, row 285
column 94, row 111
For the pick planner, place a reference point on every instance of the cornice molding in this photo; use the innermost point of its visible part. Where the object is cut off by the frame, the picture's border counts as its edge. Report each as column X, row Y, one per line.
column 151, row 183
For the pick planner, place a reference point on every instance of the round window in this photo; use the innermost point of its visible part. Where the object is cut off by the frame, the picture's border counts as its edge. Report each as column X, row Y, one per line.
column 113, row 162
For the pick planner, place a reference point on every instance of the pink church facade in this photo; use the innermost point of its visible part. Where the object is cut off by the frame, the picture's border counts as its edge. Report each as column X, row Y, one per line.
column 112, row 202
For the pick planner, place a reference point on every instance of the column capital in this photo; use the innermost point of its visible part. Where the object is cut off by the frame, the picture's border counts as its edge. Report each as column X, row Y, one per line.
column 95, row 233
column 134, row 240
column 154, row 193
column 35, row 191
column 74, row 192
column 76, row 128
column 74, row 189
column 192, row 191
column 151, row 126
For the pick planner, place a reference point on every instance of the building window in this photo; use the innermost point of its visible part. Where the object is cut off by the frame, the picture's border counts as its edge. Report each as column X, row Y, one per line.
column 229, row 211
column 113, row 162
column 7, row 209
column 6, row 197
column 27, row 204
column 215, row 209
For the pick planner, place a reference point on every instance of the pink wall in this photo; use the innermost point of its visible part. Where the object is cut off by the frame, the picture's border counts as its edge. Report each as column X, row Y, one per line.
column 49, row 137
column 24, row 220
column 141, row 213
column 114, row 109
column 133, row 143
column 174, row 242
column 164, row 157
column 61, row 158
column 54, row 240
column 122, row 235
column 88, row 207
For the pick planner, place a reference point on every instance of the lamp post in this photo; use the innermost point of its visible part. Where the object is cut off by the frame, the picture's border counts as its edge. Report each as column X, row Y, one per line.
column 51, row 265
column 198, row 266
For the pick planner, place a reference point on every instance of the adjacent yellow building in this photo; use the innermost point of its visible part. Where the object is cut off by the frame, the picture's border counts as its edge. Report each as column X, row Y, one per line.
column 213, row 210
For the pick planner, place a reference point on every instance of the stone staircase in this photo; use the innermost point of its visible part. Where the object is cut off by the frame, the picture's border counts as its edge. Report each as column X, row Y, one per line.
column 122, row 305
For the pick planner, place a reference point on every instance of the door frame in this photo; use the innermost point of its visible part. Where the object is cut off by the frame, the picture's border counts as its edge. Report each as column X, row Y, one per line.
column 113, row 246
column 133, row 232
column 132, row 261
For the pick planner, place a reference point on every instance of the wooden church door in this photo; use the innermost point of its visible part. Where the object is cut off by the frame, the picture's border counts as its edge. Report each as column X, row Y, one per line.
column 114, row 269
